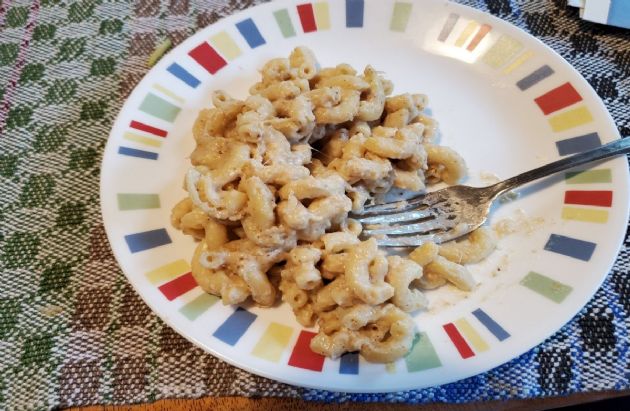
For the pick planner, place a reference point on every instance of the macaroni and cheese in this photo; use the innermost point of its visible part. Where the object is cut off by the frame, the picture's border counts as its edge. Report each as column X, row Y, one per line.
column 273, row 180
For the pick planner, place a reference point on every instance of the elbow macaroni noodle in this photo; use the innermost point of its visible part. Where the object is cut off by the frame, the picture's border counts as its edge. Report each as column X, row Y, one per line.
column 273, row 179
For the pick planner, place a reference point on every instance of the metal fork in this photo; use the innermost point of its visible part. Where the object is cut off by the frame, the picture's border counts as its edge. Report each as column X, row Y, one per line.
column 449, row 213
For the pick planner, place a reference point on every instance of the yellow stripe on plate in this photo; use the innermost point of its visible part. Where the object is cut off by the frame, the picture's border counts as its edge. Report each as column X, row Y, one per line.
column 322, row 15
column 471, row 335
column 588, row 215
column 390, row 367
column 519, row 60
column 147, row 141
column 466, row 33
column 273, row 342
column 168, row 272
column 570, row 119
column 169, row 93
column 226, row 45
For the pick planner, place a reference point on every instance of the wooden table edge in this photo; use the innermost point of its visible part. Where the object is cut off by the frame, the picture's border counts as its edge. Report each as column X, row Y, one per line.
column 282, row 404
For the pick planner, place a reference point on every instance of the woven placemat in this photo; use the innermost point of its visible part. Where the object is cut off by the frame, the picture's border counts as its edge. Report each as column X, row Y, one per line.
column 73, row 332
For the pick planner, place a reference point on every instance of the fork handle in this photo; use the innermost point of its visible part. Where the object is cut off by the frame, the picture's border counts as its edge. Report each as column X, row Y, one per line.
column 620, row 146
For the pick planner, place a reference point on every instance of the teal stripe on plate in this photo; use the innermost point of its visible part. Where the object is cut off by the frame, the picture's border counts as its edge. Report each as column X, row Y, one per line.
column 160, row 108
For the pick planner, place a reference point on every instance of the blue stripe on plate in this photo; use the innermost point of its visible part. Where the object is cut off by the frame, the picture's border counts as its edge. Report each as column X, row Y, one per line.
column 235, row 326
column 183, row 74
column 571, row 247
column 349, row 363
column 578, row 144
column 534, row 78
column 491, row 325
column 354, row 13
column 133, row 152
column 249, row 30
column 147, row 240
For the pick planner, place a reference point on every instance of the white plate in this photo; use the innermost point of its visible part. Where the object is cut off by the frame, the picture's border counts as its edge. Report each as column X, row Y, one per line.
column 503, row 99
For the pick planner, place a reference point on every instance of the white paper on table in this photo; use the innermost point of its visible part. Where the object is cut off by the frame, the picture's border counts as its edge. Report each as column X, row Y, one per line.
column 611, row 12
column 596, row 10
column 576, row 3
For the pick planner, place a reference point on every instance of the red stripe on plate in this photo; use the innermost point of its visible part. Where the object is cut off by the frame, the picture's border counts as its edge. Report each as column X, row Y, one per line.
column 307, row 18
column 462, row 346
column 147, row 128
column 483, row 30
column 558, row 98
column 207, row 57
column 179, row 286
column 302, row 355
column 594, row 198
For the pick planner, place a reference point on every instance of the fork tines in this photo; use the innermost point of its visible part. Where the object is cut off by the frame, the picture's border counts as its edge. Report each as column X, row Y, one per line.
column 395, row 207
column 396, row 217
column 407, row 241
column 426, row 226
column 407, row 223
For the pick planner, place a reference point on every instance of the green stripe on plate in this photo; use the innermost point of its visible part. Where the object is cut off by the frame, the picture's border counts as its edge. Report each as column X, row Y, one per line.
column 547, row 287
column 422, row 355
column 160, row 108
column 589, row 176
column 284, row 22
column 130, row 201
column 198, row 306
